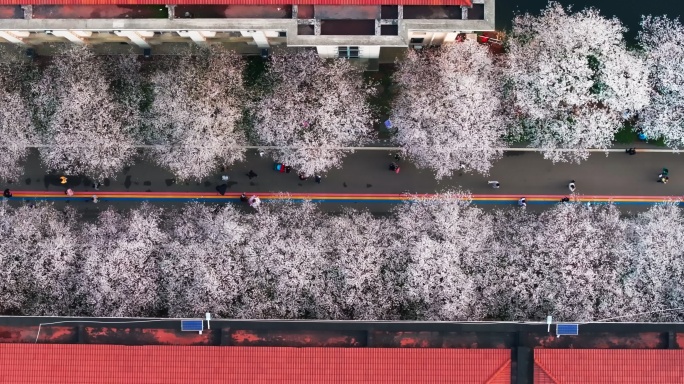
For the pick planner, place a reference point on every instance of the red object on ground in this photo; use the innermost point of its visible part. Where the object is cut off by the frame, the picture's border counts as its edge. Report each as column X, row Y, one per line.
column 69, row 363
column 467, row 3
column 397, row 170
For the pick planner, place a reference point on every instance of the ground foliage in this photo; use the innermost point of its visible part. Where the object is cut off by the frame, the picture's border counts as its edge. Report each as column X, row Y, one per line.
column 434, row 259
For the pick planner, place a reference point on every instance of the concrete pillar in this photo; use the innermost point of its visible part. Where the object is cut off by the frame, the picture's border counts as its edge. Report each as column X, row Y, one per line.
column 369, row 52
column 28, row 11
column 327, row 51
column 73, row 36
column 259, row 38
column 199, row 37
column 172, row 11
column 450, row 37
column 136, row 37
column 16, row 37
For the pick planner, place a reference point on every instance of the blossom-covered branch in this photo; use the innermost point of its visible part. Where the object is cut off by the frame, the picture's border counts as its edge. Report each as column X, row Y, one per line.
column 661, row 39
column 313, row 104
column 195, row 113
column 17, row 132
column 448, row 111
column 573, row 80
column 76, row 106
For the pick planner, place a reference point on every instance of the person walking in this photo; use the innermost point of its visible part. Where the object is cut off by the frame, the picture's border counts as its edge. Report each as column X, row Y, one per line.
column 522, row 202
column 243, row 198
column 630, row 151
column 303, row 176
column 565, row 200
column 96, row 186
column 69, row 192
column 94, row 199
column 254, row 202
column 7, row 193
column 394, row 167
column 317, row 178
column 62, row 180
column 494, row 184
column 571, row 186
column 663, row 177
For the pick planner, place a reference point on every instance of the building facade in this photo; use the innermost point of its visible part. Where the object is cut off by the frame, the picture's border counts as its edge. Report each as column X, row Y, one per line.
column 356, row 29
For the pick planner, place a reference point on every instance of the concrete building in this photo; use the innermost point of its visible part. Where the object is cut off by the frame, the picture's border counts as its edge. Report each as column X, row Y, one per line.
column 356, row 29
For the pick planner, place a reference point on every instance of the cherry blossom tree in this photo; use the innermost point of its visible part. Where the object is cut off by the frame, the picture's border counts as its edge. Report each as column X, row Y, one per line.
column 444, row 239
column 119, row 272
column 653, row 283
column 313, row 106
column 436, row 258
column 17, row 132
column 195, row 113
column 202, row 267
column 567, row 262
column 365, row 274
column 448, row 111
column 85, row 129
column 664, row 116
column 38, row 255
column 287, row 264
column 573, row 80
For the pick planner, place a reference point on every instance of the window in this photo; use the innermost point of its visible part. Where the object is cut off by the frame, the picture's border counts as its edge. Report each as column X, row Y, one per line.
column 417, row 40
column 348, row 52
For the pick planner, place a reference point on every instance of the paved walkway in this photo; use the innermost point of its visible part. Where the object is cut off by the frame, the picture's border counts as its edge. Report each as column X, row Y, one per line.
column 366, row 172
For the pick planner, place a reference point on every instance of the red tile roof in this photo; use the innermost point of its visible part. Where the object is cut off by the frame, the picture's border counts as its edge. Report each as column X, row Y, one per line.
column 238, row 2
column 604, row 366
column 94, row 364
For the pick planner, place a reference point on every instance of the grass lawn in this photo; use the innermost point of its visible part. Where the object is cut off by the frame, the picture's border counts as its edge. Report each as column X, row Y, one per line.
column 626, row 136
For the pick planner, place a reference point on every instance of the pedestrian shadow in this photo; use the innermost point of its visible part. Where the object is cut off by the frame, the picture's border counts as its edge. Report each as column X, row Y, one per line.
column 513, row 153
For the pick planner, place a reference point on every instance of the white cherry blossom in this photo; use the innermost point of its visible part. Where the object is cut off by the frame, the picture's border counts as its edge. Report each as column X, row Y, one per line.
column 198, row 102
column 661, row 39
column 448, row 110
column 573, row 80
column 313, row 106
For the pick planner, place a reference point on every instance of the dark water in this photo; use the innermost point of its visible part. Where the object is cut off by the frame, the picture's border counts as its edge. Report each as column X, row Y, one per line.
column 628, row 11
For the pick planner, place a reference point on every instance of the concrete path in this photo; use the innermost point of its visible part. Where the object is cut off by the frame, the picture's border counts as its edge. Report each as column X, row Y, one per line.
column 366, row 172
column 520, row 173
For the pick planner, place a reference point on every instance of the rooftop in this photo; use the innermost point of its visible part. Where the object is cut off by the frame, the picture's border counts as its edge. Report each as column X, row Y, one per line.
column 50, row 349
column 599, row 366
column 64, row 363
column 238, row 2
